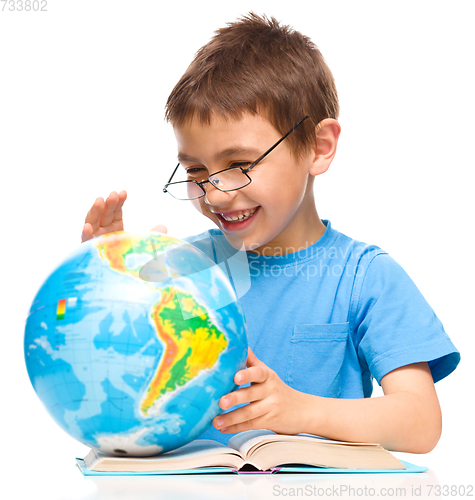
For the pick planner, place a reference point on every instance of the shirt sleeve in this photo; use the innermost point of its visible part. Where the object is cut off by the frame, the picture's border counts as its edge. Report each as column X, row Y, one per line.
column 395, row 326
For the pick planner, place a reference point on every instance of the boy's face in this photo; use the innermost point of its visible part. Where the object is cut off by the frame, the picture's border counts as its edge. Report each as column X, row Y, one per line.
column 281, row 189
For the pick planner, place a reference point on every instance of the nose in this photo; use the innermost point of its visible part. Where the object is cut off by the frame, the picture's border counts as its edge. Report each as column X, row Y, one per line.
column 217, row 198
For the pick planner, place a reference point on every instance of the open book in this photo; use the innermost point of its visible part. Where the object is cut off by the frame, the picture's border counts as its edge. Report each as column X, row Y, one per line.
column 252, row 450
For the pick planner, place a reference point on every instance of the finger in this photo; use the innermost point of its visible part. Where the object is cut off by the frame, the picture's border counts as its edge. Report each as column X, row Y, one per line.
column 95, row 212
column 108, row 213
column 258, row 423
column 245, row 414
column 86, row 232
column 242, row 396
column 160, row 229
column 252, row 375
column 118, row 209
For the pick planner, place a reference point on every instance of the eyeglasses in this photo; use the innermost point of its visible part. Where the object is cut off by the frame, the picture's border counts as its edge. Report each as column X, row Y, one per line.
column 229, row 179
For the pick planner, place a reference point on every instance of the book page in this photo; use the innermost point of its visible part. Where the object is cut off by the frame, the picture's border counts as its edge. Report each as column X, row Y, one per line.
column 195, row 449
column 197, row 454
column 266, row 449
column 246, row 441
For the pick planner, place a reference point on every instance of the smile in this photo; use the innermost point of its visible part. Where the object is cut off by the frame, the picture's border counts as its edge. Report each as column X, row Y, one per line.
column 239, row 216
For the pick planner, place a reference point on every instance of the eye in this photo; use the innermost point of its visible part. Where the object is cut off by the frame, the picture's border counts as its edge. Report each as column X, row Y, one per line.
column 240, row 164
column 194, row 170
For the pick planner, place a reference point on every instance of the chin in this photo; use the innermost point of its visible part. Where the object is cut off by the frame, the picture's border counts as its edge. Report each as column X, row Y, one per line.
column 238, row 243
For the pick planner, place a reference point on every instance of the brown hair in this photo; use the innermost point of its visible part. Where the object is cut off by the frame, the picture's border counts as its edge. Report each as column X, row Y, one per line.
column 256, row 65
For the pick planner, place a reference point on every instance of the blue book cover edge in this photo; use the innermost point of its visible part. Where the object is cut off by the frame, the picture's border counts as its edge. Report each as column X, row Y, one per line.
column 410, row 468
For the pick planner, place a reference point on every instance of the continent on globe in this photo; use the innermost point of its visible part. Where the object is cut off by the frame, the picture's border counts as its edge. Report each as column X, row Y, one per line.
column 120, row 252
column 190, row 347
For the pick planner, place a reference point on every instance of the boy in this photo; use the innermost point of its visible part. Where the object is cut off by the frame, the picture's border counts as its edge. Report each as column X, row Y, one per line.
column 255, row 118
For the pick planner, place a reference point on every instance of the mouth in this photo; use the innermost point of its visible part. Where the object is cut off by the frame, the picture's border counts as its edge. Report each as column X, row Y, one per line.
column 237, row 219
column 238, row 215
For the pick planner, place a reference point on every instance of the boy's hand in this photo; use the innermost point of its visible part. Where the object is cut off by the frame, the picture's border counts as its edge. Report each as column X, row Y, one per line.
column 104, row 217
column 160, row 229
column 273, row 404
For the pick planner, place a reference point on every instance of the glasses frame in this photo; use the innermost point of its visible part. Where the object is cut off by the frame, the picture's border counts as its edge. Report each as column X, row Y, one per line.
column 243, row 170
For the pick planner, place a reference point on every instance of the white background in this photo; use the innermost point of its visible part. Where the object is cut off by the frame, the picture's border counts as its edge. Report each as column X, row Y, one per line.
column 82, row 94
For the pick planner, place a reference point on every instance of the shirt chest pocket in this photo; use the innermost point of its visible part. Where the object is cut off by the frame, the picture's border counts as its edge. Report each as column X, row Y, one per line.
column 316, row 358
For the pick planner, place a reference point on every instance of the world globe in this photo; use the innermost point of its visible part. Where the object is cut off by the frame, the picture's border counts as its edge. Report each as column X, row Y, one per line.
column 131, row 342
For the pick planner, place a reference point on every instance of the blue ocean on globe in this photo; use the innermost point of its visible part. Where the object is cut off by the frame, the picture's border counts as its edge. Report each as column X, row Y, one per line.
column 131, row 342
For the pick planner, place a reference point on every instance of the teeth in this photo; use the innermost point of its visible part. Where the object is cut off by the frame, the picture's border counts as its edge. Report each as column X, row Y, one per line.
column 245, row 215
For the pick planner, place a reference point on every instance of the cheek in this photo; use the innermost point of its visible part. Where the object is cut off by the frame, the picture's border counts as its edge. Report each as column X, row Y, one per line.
column 282, row 195
column 285, row 184
column 265, row 189
column 297, row 185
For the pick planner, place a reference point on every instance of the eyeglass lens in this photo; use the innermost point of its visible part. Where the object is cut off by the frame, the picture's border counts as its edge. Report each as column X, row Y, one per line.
column 227, row 180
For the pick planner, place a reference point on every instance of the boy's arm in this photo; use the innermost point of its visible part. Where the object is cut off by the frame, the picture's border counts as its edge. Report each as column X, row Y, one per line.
column 407, row 418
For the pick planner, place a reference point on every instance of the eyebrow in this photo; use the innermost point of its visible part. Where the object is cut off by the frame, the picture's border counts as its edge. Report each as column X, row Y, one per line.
column 226, row 153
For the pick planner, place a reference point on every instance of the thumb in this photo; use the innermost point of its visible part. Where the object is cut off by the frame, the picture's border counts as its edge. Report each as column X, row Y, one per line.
column 86, row 232
column 160, row 229
column 252, row 359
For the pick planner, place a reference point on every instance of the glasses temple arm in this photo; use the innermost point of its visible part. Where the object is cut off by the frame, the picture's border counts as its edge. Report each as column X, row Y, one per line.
column 170, row 179
column 275, row 145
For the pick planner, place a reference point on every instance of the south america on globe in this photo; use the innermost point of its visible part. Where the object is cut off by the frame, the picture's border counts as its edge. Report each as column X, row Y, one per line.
column 132, row 340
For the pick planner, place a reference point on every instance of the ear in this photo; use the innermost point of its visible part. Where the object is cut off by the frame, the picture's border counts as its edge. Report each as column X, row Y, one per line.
column 327, row 133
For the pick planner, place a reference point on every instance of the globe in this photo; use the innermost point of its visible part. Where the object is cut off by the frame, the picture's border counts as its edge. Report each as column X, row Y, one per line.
column 132, row 340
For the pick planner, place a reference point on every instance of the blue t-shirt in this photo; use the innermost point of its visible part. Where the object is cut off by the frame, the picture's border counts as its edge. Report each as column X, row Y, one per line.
column 330, row 317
